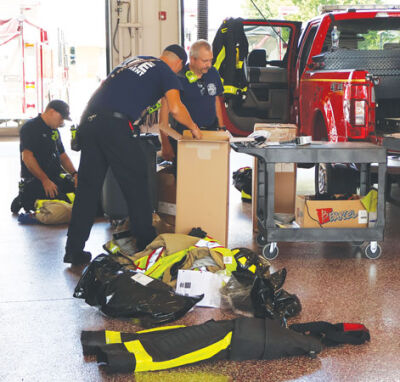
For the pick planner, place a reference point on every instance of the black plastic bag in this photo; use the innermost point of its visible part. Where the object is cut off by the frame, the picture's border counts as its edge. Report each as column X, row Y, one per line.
column 270, row 301
column 121, row 292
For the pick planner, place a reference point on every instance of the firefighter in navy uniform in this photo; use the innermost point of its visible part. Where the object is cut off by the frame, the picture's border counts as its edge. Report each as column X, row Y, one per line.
column 43, row 159
column 201, row 86
column 108, row 137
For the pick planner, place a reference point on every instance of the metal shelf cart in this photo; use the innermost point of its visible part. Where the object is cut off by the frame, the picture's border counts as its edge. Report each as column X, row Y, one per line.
column 362, row 153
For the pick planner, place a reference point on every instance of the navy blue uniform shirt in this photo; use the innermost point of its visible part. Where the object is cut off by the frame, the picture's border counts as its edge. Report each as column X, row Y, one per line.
column 129, row 91
column 199, row 97
column 45, row 144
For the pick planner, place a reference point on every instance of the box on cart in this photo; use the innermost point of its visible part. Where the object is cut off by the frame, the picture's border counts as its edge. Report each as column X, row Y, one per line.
column 330, row 213
column 285, row 173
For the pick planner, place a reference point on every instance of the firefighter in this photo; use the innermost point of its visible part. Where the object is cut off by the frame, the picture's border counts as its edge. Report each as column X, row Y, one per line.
column 201, row 86
column 43, row 159
column 108, row 137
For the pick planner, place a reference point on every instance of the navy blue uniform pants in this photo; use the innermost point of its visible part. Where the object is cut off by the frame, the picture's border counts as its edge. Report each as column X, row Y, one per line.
column 33, row 189
column 107, row 141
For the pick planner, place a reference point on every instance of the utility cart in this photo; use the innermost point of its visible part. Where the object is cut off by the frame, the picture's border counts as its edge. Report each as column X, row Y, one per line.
column 362, row 153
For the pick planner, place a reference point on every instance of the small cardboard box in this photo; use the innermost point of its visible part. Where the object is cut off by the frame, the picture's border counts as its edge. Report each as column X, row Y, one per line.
column 330, row 213
column 285, row 173
column 203, row 184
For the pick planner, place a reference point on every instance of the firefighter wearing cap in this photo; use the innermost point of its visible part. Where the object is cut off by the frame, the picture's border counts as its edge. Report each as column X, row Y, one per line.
column 108, row 138
column 43, row 158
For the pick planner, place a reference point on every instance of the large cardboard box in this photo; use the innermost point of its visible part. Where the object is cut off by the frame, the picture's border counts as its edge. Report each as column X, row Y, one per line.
column 203, row 184
column 330, row 213
column 285, row 173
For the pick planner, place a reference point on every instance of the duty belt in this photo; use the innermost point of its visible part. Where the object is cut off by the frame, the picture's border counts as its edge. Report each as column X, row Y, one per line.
column 115, row 114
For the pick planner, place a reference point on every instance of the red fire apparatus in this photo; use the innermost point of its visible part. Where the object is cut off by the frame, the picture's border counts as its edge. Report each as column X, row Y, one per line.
column 30, row 75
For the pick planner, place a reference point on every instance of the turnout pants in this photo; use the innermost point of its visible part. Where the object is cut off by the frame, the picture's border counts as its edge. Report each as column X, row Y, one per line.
column 107, row 141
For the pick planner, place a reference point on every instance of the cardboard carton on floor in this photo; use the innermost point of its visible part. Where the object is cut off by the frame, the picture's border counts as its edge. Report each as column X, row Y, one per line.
column 203, row 184
column 166, row 211
column 285, row 173
column 330, row 213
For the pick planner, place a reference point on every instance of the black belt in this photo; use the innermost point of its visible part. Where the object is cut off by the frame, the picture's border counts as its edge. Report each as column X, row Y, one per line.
column 112, row 114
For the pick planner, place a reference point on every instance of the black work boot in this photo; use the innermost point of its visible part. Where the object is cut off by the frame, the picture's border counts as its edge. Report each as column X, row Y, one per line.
column 16, row 205
column 77, row 258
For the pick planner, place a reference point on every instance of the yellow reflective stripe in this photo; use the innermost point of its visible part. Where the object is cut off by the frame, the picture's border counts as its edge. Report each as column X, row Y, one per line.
column 220, row 58
column 162, row 328
column 157, row 270
column 39, row 202
column 230, row 89
column 113, row 337
column 357, row 81
column 114, row 248
column 245, row 195
column 242, row 260
column 71, row 196
column 144, row 362
column 252, row 268
column 239, row 65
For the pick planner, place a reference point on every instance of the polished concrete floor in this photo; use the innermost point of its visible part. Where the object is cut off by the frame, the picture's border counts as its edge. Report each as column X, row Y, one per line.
column 41, row 321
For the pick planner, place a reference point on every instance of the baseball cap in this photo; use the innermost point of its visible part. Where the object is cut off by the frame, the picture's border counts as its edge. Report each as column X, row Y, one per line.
column 61, row 107
column 179, row 51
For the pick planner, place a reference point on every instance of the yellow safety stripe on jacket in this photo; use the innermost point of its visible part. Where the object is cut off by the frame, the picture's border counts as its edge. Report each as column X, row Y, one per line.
column 113, row 248
column 220, row 58
column 161, row 328
column 239, row 64
column 71, row 196
column 228, row 258
column 158, row 269
column 145, row 263
column 144, row 362
column 39, row 202
column 112, row 337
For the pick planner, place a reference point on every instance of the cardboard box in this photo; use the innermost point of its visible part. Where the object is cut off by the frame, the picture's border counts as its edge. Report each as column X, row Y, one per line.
column 280, row 132
column 166, row 190
column 330, row 213
column 203, row 184
column 285, row 173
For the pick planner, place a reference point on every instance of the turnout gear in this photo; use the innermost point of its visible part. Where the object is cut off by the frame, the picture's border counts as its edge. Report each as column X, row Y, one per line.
column 168, row 253
column 230, row 48
column 237, row 340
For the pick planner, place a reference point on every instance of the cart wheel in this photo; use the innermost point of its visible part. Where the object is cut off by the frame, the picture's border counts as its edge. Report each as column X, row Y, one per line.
column 268, row 254
column 261, row 240
column 373, row 254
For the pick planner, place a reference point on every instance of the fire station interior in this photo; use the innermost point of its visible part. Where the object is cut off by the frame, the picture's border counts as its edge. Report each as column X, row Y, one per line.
column 41, row 321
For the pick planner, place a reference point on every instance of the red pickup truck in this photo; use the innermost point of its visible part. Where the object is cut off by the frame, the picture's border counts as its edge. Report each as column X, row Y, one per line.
column 335, row 86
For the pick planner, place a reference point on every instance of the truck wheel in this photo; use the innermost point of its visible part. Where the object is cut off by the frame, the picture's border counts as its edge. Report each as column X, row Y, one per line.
column 323, row 175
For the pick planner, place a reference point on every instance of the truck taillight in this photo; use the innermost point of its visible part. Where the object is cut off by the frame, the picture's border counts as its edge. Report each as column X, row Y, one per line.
column 358, row 112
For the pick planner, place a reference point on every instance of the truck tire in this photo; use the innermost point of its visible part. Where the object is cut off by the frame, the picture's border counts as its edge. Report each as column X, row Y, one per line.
column 338, row 178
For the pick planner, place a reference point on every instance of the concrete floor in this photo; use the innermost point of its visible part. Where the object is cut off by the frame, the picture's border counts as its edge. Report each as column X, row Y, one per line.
column 41, row 321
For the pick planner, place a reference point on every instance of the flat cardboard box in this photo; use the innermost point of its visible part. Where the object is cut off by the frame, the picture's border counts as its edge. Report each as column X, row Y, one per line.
column 203, row 184
column 280, row 132
column 330, row 213
column 285, row 173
